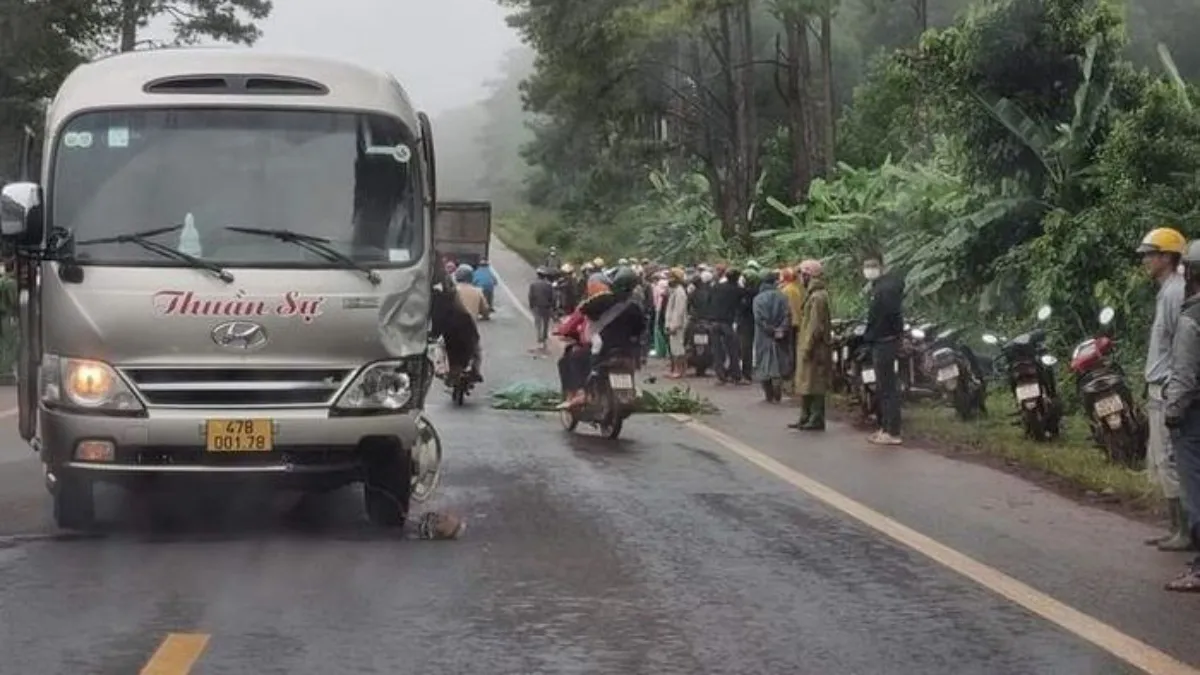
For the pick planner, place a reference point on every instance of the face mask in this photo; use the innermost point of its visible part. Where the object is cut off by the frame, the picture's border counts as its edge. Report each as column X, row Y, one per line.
column 871, row 273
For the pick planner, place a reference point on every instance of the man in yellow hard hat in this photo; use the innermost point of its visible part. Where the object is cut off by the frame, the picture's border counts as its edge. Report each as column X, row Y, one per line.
column 1161, row 250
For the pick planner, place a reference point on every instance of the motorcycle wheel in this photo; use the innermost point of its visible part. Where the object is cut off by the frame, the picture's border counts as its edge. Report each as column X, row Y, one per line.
column 1035, row 425
column 966, row 402
column 458, row 394
column 611, row 428
column 569, row 419
column 1124, row 447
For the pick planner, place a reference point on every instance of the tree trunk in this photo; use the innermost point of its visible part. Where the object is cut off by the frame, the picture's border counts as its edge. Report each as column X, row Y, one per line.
column 732, row 171
column 795, row 55
column 828, row 130
column 131, row 14
column 737, row 30
column 748, row 136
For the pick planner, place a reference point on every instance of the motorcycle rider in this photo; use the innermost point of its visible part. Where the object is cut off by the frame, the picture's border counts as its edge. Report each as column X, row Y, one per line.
column 455, row 324
column 1181, row 408
column 472, row 298
column 615, row 322
column 1161, row 250
column 570, row 288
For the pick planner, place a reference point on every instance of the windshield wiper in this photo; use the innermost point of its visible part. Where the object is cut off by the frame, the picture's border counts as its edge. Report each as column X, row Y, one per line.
column 319, row 245
column 143, row 239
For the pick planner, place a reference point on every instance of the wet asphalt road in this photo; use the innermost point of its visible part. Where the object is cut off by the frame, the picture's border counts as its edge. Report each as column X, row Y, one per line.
column 660, row 553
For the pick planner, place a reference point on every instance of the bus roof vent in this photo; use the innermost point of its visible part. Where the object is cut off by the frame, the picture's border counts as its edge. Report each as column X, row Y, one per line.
column 236, row 84
column 270, row 84
column 190, row 84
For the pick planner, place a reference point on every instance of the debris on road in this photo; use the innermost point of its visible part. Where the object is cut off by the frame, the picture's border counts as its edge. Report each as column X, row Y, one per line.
column 533, row 396
column 440, row 526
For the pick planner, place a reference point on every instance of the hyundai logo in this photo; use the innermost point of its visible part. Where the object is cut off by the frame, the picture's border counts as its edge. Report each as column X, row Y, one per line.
column 239, row 335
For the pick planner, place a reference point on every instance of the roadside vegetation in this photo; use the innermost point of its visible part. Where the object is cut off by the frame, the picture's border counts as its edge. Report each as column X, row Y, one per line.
column 1072, row 465
column 1003, row 154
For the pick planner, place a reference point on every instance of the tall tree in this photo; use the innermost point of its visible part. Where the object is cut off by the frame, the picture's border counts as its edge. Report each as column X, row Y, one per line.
column 191, row 21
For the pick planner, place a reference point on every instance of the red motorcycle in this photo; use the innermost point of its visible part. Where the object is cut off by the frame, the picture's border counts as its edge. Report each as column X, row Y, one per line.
column 1117, row 424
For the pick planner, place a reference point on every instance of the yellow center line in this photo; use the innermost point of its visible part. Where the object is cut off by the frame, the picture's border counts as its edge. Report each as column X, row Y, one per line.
column 176, row 655
column 1126, row 648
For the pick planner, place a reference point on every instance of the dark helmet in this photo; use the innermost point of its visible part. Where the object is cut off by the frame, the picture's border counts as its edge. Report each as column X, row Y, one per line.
column 1191, row 261
column 463, row 273
column 624, row 279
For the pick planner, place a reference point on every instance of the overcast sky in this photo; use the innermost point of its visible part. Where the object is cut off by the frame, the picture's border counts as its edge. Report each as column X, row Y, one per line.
column 443, row 51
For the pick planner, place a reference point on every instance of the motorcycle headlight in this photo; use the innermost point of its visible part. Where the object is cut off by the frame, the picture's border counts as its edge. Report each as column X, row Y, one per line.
column 1048, row 360
column 380, row 387
column 85, row 384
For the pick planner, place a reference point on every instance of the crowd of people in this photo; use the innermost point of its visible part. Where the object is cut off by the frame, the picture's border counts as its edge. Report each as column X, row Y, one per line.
column 767, row 325
column 773, row 326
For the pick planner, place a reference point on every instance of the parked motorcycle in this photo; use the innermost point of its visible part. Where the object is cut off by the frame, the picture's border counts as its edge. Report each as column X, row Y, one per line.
column 864, row 382
column 1030, row 372
column 840, row 342
column 1117, row 424
column 915, row 379
column 611, row 396
column 957, row 372
column 698, row 338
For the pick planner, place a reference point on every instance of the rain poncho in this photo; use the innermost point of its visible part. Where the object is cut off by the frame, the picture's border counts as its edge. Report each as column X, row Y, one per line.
column 772, row 358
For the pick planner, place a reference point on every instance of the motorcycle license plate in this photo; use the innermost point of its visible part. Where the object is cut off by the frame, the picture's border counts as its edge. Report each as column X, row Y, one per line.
column 620, row 381
column 1028, row 391
column 700, row 339
column 1109, row 406
column 948, row 373
column 868, row 376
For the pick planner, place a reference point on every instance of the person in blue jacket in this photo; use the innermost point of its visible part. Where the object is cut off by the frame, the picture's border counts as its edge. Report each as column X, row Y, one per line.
column 485, row 280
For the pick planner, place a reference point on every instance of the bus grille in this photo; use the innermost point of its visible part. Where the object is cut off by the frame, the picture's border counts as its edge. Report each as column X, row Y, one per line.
column 237, row 387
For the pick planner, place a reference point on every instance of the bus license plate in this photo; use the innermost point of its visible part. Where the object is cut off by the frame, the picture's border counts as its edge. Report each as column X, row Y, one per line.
column 240, row 435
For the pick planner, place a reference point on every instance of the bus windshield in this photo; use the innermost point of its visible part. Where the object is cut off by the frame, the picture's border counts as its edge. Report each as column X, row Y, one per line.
column 347, row 177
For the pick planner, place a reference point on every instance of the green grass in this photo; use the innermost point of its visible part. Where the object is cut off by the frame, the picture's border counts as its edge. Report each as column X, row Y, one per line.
column 1072, row 459
column 516, row 233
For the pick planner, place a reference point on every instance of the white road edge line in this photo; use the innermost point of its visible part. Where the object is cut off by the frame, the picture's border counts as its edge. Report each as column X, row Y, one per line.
column 1106, row 637
column 1125, row 647
column 512, row 297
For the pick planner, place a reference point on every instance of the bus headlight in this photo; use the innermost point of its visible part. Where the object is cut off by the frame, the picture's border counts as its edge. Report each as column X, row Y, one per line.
column 85, row 384
column 382, row 386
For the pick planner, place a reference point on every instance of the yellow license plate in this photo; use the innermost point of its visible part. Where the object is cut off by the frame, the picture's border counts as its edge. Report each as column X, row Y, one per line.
column 240, row 435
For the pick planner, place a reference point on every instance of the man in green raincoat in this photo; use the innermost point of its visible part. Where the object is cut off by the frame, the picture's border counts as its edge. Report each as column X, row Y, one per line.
column 814, row 352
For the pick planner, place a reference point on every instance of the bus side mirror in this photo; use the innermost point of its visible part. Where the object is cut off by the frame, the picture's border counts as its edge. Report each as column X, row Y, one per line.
column 21, row 213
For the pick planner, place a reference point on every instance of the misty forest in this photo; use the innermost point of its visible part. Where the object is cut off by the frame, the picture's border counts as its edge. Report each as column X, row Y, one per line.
column 1003, row 153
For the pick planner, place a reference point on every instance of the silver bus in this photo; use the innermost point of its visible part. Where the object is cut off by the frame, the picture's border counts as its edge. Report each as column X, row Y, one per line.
column 225, row 273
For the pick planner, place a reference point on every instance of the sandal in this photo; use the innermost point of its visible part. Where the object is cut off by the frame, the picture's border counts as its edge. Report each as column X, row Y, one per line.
column 1188, row 582
column 434, row 525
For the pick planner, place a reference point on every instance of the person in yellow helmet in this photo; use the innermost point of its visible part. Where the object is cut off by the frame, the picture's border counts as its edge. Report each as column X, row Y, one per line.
column 1161, row 250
